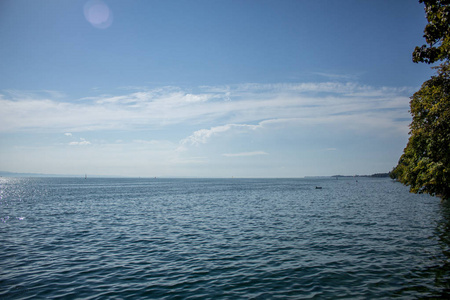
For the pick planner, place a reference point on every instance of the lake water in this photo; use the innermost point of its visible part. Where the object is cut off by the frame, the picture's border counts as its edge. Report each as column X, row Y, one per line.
column 220, row 238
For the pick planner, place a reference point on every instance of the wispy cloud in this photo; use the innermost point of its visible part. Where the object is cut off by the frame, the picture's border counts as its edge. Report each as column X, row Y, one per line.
column 329, row 102
column 201, row 136
column 335, row 76
column 54, row 94
column 254, row 153
column 82, row 142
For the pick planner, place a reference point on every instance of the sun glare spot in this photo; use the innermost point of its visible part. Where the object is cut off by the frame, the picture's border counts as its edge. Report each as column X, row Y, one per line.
column 98, row 14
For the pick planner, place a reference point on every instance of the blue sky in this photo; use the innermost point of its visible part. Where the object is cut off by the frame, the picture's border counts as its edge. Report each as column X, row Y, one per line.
column 207, row 88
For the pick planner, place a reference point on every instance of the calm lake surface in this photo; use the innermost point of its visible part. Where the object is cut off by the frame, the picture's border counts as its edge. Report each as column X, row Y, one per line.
column 220, row 238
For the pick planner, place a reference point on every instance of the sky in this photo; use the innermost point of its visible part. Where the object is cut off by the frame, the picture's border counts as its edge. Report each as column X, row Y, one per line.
column 207, row 88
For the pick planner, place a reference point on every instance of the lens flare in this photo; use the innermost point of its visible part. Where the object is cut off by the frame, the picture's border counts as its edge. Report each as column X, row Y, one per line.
column 98, row 14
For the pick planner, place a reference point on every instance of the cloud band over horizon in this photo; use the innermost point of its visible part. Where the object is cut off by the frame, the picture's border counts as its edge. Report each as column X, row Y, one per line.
column 171, row 129
column 242, row 104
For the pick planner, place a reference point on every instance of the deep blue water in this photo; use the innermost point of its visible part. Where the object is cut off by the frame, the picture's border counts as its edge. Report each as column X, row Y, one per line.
column 220, row 238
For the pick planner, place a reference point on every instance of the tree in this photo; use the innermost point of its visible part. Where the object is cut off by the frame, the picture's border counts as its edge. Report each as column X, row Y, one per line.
column 436, row 33
column 425, row 163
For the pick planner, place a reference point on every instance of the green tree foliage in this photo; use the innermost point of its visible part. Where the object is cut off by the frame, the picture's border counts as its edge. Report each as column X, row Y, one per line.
column 425, row 163
column 436, row 33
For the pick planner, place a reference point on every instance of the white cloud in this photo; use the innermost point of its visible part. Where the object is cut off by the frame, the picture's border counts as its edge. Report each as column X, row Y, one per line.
column 295, row 123
column 245, row 154
column 322, row 103
column 335, row 76
column 201, row 136
column 197, row 98
column 54, row 94
column 82, row 142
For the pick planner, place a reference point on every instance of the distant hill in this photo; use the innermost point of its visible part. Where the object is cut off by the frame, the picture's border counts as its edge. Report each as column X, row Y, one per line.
column 378, row 175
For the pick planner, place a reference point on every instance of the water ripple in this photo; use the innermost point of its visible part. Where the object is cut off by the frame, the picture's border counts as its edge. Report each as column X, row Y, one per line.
column 191, row 239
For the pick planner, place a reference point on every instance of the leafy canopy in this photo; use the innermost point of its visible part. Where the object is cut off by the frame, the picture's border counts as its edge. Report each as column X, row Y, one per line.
column 425, row 163
column 436, row 33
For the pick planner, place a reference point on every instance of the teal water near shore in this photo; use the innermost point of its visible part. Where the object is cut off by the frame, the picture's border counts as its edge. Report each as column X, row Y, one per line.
column 220, row 238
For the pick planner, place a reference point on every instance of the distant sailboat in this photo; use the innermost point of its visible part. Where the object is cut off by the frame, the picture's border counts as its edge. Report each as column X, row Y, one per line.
column 85, row 176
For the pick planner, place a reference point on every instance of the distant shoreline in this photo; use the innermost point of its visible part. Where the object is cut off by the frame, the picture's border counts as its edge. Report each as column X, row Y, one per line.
column 13, row 174
column 381, row 175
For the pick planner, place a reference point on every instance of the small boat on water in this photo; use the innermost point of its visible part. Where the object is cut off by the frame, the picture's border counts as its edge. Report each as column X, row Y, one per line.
column 318, row 187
